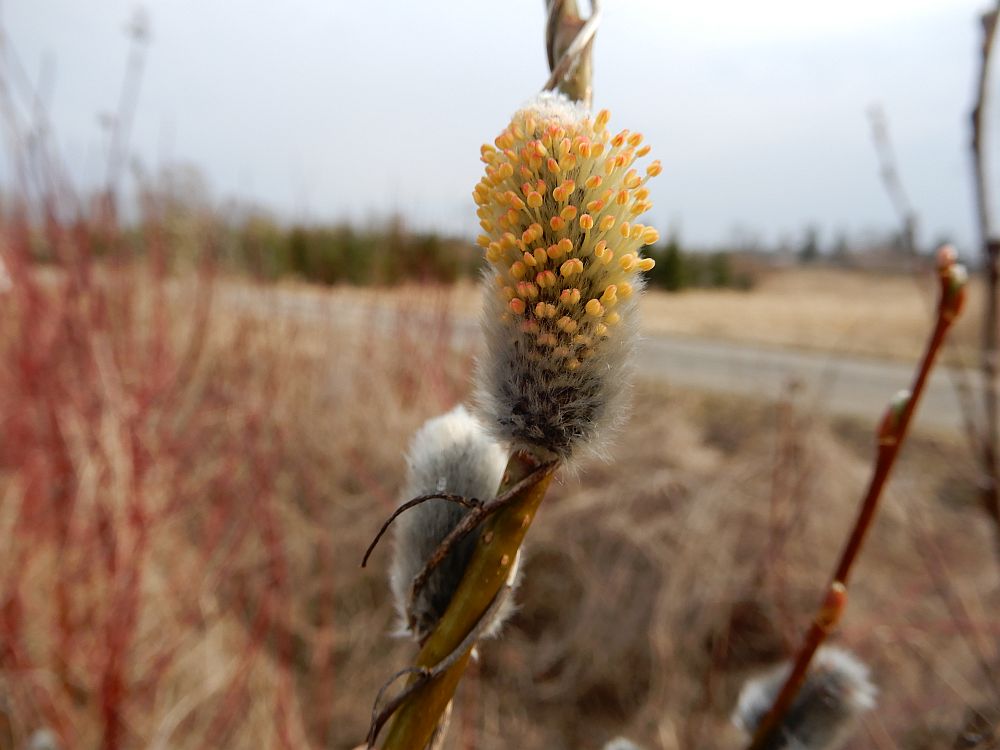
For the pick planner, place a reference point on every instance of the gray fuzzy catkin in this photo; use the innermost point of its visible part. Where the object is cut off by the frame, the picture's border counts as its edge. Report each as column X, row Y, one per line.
column 836, row 691
column 558, row 205
column 450, row 453
column 531, row 401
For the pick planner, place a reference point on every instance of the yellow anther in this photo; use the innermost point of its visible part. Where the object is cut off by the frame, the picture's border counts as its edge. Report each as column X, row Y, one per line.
column 612, row 318
column 632, row 179
column 601, row 330
column 493, row 252
column 516, row 306
column 606, row 223
column 600, row 248
column 647, row 264
column 541, row 187
column 635, row 139
column 541, row 310
column 582, row 340
column 487, row 225
column 518, row 269
column 636, row 231
column 610, row 296
column 654, row 169
column 594, row 181
column 596, row 150
column 514, row 201
column 624, row 290
column 642, row 152
column 508, row 240
column 619, row 139
column 584, row 150
column 609, row 165
column 529, row 260
column 571, row 267
column 567, row 324
column 508, row 292
column 627, row 261
column 506, row 170
column 601, row 120
column 527, row 290
column 569, row 297
column 594, row 308
column 483, row 241
column 546, row 279
column 540, row 256
column 622, row 197
column 572, row 364
column 534, row 199
column 511, row 217
column 650, row 236
column 595, row 206
column 586, row 221
column 565, row 245
column 568, row 213
column 553, row 165
column 624, row 229
column 554, row 252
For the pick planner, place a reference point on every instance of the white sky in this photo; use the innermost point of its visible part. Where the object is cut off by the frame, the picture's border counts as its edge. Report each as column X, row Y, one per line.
column 328, row 109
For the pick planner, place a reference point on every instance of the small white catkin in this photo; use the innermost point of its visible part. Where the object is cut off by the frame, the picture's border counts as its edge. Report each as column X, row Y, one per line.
column 451, row 453
column 620, row 743
column 836, row 691
column 558, row 206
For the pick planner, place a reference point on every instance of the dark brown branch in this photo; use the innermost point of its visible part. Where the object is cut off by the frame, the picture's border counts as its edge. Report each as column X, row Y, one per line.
column 472, row 521
column 465, row 502
column 990, row 494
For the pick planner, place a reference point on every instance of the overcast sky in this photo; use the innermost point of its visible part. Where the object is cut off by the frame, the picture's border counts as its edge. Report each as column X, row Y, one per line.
column 329, row 110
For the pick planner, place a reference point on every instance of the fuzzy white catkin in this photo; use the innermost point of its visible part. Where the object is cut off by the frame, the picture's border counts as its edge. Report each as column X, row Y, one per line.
column 558, row 206
column 451, row 453
column 836, row 691
column 620, row 743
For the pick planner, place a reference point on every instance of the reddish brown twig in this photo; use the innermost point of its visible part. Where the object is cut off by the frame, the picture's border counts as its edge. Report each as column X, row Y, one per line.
column 891, row 434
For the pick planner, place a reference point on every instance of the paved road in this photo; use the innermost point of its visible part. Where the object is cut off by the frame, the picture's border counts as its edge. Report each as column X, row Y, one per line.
column 832, row 383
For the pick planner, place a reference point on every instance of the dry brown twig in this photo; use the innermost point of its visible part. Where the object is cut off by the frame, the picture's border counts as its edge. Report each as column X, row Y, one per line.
column 990, row 364
column 891, row 434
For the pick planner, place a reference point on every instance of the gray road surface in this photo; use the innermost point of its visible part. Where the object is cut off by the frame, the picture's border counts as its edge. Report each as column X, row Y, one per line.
column 836, row 384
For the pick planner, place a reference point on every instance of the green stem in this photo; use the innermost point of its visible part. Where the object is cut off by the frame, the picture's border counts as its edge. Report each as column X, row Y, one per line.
column 499, row 541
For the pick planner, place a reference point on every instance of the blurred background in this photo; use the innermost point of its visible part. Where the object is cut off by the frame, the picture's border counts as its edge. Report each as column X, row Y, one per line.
column 237, row 272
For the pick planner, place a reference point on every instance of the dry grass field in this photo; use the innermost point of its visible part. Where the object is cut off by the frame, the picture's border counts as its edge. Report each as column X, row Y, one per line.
column 187, row 488
column 855, row 312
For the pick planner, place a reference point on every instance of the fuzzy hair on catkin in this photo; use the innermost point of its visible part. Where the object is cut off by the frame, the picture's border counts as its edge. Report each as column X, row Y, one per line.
column 451, row 453
column 558, row 206
column 836, row 691
column 621, row 743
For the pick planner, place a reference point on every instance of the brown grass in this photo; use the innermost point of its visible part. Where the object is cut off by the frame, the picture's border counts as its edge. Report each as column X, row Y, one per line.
column 185, row 501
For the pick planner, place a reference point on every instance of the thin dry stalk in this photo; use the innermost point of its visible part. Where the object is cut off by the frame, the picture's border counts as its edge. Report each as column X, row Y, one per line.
column 990, row 492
